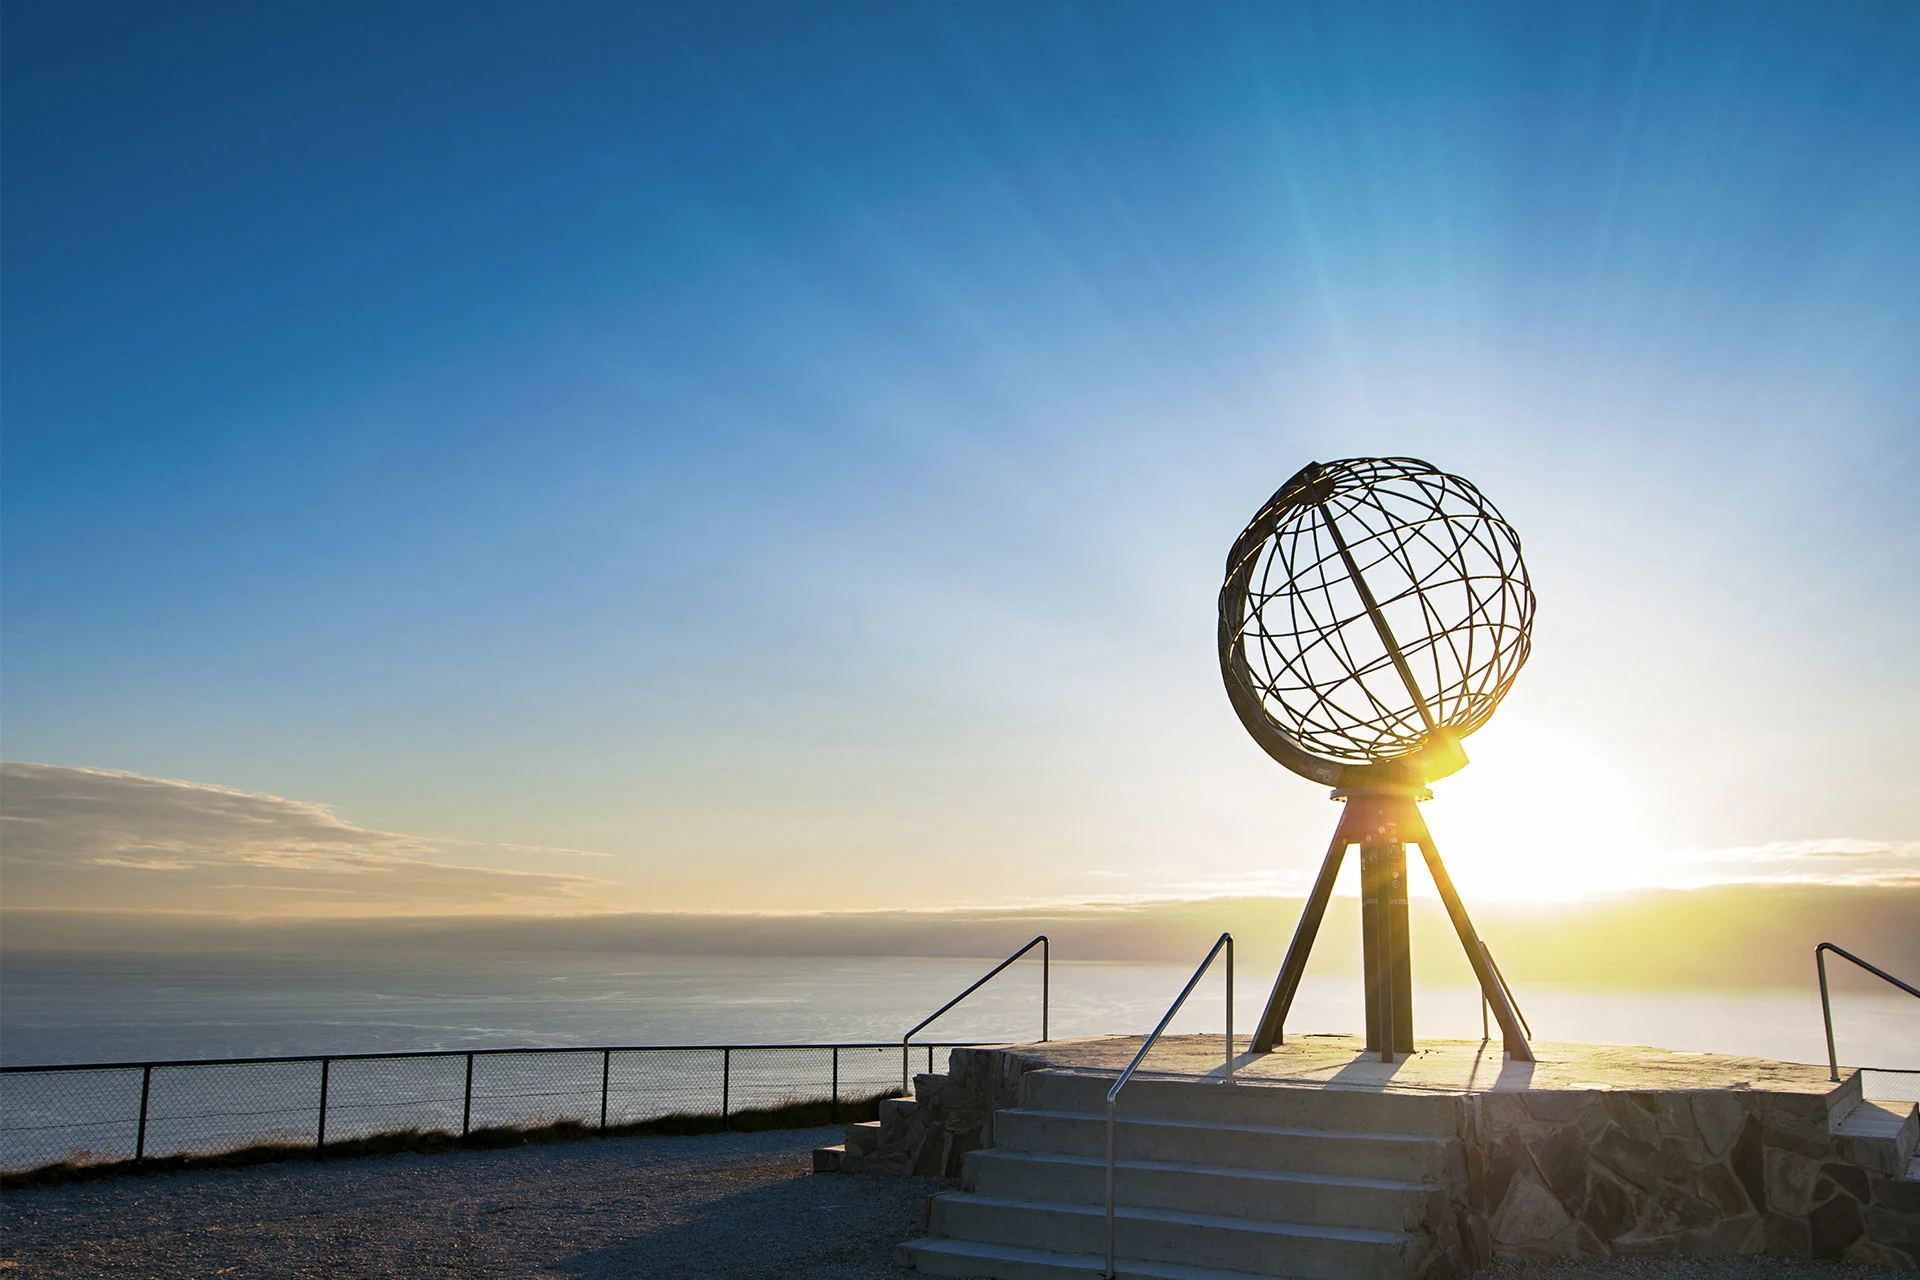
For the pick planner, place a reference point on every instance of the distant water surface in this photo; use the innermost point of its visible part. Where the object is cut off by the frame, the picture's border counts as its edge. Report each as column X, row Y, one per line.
column 96, row 1008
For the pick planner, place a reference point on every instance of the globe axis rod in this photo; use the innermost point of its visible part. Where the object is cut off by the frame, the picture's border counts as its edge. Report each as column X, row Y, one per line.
column 1379, row 619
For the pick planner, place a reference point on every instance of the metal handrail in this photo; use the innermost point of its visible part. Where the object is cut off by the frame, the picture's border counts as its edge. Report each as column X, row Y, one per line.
column 1046, row 981
column 1826, row 1005
column 521, row 1050
column 1505, row 990
column 1113, row 1094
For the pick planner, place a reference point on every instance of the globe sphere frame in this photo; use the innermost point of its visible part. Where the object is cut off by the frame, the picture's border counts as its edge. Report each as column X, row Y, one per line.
column 1375, row 611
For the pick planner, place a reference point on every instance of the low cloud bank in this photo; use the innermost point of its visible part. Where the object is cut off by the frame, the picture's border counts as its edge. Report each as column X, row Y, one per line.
column 1727, row 936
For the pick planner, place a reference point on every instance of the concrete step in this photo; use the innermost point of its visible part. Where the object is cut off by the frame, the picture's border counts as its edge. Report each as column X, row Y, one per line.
column 1240, row 1102
column 1259, row 1194
column 1397, row 1156
column 863, row 1137
column 828, row 1159
column 1879, row 1135
column 1170, row 1235
column 938, row 1256
column 897, row 1109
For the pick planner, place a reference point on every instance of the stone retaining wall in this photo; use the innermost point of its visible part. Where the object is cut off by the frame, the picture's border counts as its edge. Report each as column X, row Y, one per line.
column 1606, row 1174
column 951, row 1115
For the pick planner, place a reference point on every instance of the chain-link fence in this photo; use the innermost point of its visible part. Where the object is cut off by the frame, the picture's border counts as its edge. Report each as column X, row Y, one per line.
column 105, row 1113
column 1890, row 1085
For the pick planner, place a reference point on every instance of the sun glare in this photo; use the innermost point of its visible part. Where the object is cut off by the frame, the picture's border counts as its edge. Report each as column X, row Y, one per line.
column 1539, row 816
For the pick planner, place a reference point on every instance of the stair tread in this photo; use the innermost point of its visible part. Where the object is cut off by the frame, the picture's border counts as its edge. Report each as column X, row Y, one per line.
column 1091, row 1263
column 1357, row 1235
column 1875, row 1118
column 1277, row 1131
column 1222, row 1170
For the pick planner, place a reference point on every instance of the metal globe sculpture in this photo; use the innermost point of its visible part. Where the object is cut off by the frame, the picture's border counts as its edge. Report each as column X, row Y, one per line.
column 1375, row 612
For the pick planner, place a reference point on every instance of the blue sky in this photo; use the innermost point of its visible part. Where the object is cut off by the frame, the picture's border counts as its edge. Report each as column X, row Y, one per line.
column 792, row 451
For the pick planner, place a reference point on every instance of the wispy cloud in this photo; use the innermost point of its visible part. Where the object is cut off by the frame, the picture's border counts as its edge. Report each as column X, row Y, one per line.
column 1831, row 861
column 97, row 838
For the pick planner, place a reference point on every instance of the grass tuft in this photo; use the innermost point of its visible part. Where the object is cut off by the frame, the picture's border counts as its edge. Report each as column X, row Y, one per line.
column 792, row 1115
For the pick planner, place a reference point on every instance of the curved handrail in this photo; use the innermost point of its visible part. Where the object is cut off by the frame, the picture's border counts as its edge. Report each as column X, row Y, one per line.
column 1113, row 1094
column 1046, row 982
column 1826, row 1005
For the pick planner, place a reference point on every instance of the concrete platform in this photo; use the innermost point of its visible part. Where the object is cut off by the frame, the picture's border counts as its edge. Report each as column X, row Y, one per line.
column 1442, row 1066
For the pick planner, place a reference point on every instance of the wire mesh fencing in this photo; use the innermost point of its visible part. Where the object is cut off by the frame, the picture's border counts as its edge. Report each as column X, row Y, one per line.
column 106, row 1113
column 1887, row 1085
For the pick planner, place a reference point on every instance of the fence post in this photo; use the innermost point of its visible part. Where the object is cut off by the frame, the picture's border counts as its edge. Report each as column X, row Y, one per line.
column 726, row 1082
column 466, row 1101
column 320, row 1139
column 606, row 1068
column 140, row 1136
column 833, row 1110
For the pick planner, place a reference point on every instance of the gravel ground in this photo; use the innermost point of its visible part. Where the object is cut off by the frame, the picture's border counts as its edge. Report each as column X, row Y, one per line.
column 720, row 1206
column 735, row 1206
column 1696, row 1269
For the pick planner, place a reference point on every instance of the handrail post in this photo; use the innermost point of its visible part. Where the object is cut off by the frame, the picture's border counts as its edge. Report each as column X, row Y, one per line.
column 606, row 1070
column 140, row 1135
column 320, row 1138
column 1229, row 1006
column 1046, row 982
column 1826, row 1012
column 1225, row 940
column 1112, row 1106
column 1826, row 1006
column 1505, row 990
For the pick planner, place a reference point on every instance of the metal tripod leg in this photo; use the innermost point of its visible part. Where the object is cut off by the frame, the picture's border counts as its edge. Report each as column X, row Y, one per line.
column 1269, row 1032
column 1491, row 987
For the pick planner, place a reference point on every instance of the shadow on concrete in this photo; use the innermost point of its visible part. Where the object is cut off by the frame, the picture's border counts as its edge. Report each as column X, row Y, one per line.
column 1367, row 1071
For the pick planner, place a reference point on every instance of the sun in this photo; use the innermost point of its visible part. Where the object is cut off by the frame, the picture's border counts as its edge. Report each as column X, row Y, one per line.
column 1540, row 816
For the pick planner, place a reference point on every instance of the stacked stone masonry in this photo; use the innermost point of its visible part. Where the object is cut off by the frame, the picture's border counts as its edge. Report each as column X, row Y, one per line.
column 1607, row 1174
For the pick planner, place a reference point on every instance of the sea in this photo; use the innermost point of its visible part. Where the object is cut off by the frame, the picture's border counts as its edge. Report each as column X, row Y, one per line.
column 77, row 1008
